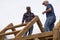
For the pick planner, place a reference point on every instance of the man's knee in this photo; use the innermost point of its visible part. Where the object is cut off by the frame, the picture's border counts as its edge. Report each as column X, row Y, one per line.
column 51, row 27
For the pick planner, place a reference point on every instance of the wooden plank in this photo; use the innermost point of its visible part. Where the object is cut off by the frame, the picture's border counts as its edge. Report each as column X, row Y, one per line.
column 56, row 32
column 49, row 38
column 41, row 35
column 3, row 31
column 13, row 29
column 55, row 35
column 57, row 26
column 20, row 25
column 5, row 28
column 27, row 27
column 36, row 39
column 40, row 25
column 10, row 26
column 3, row 34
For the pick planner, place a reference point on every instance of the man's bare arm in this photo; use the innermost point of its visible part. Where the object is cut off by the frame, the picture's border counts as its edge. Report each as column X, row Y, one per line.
column 47, row 10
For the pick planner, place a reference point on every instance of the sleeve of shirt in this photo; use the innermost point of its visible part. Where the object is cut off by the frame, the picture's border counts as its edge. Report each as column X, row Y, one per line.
column 49, row 6
column 23, row 18
column 33, row 15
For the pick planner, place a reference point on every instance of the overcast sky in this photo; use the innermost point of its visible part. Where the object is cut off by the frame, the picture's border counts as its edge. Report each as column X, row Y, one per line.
column 11, row 11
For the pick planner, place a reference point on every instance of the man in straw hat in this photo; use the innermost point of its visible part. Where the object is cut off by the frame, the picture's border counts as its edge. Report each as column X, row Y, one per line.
column 50, row 15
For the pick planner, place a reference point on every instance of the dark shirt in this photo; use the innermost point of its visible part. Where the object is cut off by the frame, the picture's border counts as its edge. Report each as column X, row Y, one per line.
column 27, row 17
column 51, row 13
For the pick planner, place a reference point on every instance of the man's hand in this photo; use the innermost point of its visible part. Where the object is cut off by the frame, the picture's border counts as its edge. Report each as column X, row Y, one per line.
column 47, row 11
column 44, row 12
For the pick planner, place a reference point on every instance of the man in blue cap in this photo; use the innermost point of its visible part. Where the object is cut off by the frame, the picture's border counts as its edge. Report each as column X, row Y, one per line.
column 27, row 17
column 50, row 15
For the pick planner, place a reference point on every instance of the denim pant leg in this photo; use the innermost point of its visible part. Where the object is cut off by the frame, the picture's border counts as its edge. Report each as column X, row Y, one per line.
column 49, row 24
column 46, row 25
column 30, row 31
column 51, row 27
column 52, row 20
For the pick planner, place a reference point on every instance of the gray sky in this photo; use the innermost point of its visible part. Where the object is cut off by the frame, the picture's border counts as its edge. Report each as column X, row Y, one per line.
column 11, row 11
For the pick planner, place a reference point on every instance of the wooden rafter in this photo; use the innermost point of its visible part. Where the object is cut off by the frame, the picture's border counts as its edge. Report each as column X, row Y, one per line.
column 18, row 34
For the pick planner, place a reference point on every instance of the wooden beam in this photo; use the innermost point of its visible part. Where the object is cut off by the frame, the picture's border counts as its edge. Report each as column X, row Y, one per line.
column 3, row 34
column 3, row 31
column 57, row 26
column 13, row 29
column 49, row 38
column 56, row 35
column 36, row 39
column 5, row 28
column 41, row 35
column 16, row 26
column 40, row 25
column 56, row 32
column 27, row 27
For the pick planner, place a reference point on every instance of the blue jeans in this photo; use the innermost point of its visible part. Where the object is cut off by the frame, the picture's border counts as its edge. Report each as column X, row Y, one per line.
column 49, row 24
column 29, row 32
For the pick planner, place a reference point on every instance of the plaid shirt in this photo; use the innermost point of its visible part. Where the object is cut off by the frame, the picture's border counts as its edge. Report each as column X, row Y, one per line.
column 27, row 17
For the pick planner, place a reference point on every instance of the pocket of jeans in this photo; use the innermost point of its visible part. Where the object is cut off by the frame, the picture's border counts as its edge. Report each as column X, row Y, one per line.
column 51, row 20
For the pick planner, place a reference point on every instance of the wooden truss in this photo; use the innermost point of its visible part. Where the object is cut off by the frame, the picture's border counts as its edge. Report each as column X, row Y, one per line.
column 53, row 35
